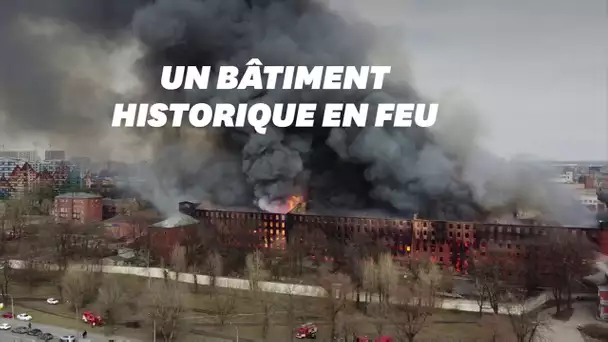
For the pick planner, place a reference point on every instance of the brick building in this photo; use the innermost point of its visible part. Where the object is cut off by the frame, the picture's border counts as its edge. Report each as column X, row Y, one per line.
column 164, row 236
column 450, row 243
column 78, row 207
column 129, row 228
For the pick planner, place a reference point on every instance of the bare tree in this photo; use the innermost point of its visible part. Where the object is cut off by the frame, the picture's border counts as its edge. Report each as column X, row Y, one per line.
column 380, row 278
column 178, row 260
column 224, row 305
column 494, row 329
column 568, row 259
column 17, row 211
column 417, row 299
column 213, row 266
column 166, row 306
column 291, row 305
column 115, row 299
column 256, row 272
column 79, row 288
column 254, row 269
column 337, row 288
column 490, row 275
column 527, row 325
column 266, row 301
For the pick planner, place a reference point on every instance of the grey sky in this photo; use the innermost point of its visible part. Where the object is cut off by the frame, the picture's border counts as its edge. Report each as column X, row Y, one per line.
column 534, row 69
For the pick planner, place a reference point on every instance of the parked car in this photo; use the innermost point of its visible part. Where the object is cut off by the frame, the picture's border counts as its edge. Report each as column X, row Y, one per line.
column 20, row 330
column 52, row 301
column 308, row 330
column 46, row 337
column 35, row 332
column 7, row 315
column 91, row 318
column 24, row 317
column 5, row 326
column 67, row 338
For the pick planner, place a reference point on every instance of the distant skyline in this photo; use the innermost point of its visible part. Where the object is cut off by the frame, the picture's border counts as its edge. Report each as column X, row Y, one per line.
column 535, row 70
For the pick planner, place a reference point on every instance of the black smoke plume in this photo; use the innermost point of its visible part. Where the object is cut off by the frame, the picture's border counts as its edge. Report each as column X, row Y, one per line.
column 436, row 174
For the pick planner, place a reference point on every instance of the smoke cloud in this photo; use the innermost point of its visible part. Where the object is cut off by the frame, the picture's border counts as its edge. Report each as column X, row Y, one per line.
column 65, row 65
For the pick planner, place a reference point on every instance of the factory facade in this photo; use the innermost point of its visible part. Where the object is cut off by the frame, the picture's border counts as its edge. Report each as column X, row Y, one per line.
column 446, row 242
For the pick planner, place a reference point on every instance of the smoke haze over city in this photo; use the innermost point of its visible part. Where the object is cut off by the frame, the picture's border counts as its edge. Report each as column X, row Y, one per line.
column 66, row 65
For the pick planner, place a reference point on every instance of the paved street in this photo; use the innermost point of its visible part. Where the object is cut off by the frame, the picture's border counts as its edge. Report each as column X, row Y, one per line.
column 7, row 336
column 566, row 331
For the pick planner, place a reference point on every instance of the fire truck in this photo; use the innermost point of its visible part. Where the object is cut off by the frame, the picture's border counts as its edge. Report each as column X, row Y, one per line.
column 308, row 330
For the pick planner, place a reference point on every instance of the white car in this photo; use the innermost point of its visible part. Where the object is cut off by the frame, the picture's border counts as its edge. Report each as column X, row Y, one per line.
column 24, row 317
column 5, row 326
column 52, row 301
column 67, row 338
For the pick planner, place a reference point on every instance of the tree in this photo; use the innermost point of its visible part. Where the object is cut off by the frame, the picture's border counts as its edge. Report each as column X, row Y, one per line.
column 166, row 309
column 254, row 269
column 527, row 325
column 213, row 266
column 381, row 278
column 290, row 305
column 46, row 206
column 115, row 299
column 256, row 272
column 337, row 288
column 79, row 289
column 489, row 276
column 266, row 302
column 417, row 299
column 224, row 305
column 568, row 259
column 494, row 329
column 16, row 214
column 178, row 260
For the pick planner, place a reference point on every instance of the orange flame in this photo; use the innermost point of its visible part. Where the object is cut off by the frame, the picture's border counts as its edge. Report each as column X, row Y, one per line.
column 292, row 202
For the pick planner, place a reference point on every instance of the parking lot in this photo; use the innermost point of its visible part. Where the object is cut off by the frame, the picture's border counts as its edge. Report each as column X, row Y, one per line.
column 8, row 336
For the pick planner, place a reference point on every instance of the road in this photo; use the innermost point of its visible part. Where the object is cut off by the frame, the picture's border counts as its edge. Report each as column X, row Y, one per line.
column 559, row 331
column 7, row 336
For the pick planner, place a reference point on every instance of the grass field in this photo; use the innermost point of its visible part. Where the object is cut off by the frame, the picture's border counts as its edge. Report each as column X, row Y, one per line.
column 202, row 320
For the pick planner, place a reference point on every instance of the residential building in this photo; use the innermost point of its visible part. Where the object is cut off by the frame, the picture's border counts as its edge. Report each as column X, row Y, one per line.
column 7, row 165
column 54, row 155
column 80, row 207
column 9, row 154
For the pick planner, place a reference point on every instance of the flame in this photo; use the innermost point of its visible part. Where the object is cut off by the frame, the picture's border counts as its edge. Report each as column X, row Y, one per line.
column 283, row 206
column 292, row 202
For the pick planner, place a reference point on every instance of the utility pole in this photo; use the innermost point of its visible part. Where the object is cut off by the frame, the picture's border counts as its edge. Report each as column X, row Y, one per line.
column 154, row 325
column 237, row 331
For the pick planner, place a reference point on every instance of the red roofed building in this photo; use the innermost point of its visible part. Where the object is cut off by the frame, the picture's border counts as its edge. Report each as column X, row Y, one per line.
column 22, row 179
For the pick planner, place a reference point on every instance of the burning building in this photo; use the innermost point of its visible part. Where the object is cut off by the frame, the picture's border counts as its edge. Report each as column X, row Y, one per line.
column 451, row 243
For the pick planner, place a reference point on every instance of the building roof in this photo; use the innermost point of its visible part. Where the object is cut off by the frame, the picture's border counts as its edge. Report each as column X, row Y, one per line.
column 212, row 207
column 78, row 195
column 150, row 216
column 177, row 220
